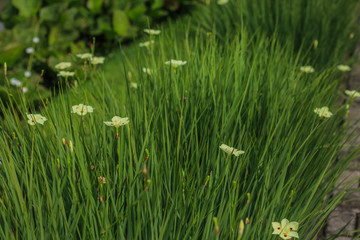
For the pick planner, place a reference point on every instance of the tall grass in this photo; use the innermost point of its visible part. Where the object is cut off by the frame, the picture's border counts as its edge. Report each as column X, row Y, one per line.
column 329, row 22
column 248, row 94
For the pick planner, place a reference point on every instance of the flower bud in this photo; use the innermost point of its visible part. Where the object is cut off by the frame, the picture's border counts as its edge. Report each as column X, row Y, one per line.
column 217, row 230
column 241, row 229
column 316, row 43
column 144, row 171
column 248, row 198
column 71, row 146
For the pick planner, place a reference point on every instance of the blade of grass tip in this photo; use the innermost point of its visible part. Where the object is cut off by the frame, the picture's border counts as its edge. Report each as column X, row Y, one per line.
column 128, row 91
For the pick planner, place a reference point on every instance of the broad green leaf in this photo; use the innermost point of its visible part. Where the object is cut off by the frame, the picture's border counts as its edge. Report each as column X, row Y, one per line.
column 157, row 4
column 95, row 5
column 51, row 12
column 11, row 53
column 137, row 12
column 27, row 8
column 120, row 22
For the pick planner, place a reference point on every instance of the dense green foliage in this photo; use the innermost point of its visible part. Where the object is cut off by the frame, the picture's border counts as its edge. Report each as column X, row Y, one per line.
column 63, row 27
column 166, row 177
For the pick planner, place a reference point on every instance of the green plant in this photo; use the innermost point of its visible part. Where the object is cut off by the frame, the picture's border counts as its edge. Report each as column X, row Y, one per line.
column 69, row 26
column 166, row 177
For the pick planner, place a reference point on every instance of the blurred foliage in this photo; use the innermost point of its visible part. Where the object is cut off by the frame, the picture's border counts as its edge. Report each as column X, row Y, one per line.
column 58, row 29
column 69, row 25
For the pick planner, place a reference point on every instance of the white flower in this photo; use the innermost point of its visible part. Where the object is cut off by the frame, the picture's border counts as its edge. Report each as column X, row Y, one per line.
column 231, row 150
column 97, row 60
column 222, row 2
column 152, row 31
column 25, row 89
column 63, row 65
column 307, row 69
column 117, row 121
column 352, row 93
column 146, row 44
column 133, row 85
column 36, row 39
column 175, row 63
column 82, row 109
column 286, row 230
column 27, row 74
column 30, row 50
column 84, row 55
column 35, row 118
column 15, row 82
column 323, row 112
column 344, row 68
column 65, row 74
column 147, row 70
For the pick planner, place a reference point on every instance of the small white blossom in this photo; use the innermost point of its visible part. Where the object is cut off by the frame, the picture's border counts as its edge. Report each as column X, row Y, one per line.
column 152, row 31
column 175, row 63
column 25, row 89
column 27, row 74
column 15, row 82
column 117, row 121
column 97, row 60
column 323, row 112
column 344, row 68
column 286, row 229
column 146, row 44
column 352, row 93
column 82, row 109
column 65, row 74
column 63, row 65
column 30, row 50
column 84, row 55
column 35, row 118
column 133, row 85
column 231, row 150
column 36, row 40
column 307, row 69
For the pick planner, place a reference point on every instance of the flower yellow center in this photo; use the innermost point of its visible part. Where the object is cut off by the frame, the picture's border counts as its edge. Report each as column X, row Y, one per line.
column 291, row 229
column 285, row 235
column 279, row 228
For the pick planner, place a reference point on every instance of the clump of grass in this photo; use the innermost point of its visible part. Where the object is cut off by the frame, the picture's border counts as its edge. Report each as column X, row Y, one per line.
column 166, row 176
column 163, row 175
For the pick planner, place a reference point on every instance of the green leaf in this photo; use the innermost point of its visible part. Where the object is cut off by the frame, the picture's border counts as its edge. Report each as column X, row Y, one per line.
column 120, row 22
column 27, row 8
column 137, row 12
column 51, row 12
column 95, row 5
column 157, row 4
column 53, row 35
column 11, row 53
